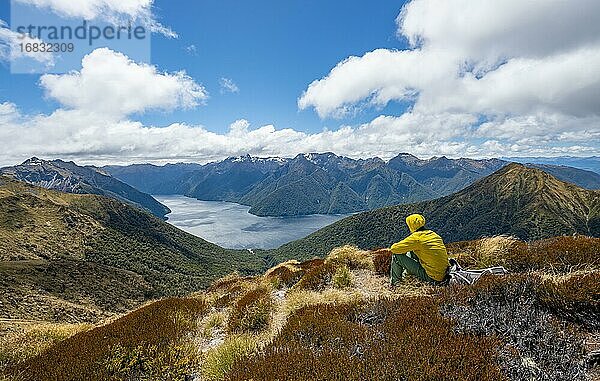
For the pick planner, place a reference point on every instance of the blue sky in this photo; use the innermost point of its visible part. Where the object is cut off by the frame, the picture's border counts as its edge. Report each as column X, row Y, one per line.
column 429, row 77
column 270, row 49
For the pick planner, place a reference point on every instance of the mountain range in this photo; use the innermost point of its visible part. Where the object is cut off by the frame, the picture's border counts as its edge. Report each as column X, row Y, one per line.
column 324, row 183
column 79, row 257
column 516, row 200
column 310, row 183
column 66, row 176
column 306, row 184
column 591, row 163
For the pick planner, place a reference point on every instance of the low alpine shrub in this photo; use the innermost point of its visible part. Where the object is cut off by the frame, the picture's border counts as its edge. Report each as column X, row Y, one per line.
column 252, row 312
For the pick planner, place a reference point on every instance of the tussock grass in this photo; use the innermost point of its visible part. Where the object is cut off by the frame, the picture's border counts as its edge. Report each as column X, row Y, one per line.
column 342, row 277
column 485, row 252
column 23, row 341
column 224, row 292
column 562, row 254
column 139, row 344
column 317, row 278
column 225, row 283
column 351, row 256
column 252, row 312
column 211, row 322
column 311, row 263
column 285, row 274
column 492, row 251
column 221, row 359
column 341, row 320
column 382, row 261
column 298, row 299
column 559, row 254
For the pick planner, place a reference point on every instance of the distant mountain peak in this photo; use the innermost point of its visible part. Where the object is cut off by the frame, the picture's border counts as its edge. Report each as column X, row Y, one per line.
column 69, row 177
column 247, row 158
column 512, row 170
column 275, row 186
column 33, row 161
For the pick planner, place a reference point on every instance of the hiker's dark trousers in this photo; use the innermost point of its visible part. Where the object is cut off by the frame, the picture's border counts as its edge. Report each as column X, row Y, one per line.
column 408, row 262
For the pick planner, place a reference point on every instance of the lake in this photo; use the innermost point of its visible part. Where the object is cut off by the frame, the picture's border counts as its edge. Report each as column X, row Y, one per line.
column 231, row 226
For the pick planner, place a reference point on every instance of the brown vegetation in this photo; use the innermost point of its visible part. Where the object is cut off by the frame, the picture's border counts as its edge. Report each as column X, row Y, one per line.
column 383, row 340
column 252, row 312
column 336, row 318
column 317, row 278
column 535, row 342
column 382, row 260
column 147, row 341
column 559, row 254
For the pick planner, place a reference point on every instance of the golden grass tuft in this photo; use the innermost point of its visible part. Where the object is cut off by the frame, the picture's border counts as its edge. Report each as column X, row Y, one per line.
column 221, row 359
column 22, row 341
column 492, row 251
column 351, row 256
column 285, row 274
column 342, row 277
column 292, row 264
column 301, row 298
column 486, row 252
column 148, row 340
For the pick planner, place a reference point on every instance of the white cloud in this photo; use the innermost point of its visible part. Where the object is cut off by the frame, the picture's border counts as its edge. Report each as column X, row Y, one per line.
column 490, row 30
column 105, row 10
column 93, row 138
column 477, row 91
column 111, row 84
column 228, row 86
column 567, row 82
column 8, row 112
column 192, row 50
column 10, row 49
column 530, row 68
column 377, row 77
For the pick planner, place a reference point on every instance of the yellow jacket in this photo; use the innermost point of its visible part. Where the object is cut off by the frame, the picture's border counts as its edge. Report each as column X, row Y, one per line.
column 430, row 249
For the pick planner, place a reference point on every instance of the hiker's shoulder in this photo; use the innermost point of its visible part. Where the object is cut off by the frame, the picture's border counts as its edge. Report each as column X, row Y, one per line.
column 428, row 233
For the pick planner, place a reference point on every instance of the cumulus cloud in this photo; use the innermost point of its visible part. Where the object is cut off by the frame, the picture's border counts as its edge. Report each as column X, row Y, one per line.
column 10, row 50
column 525, row 68
column 480, row 76
column 111, row 84
column 105, row 10
column 94, row 138
column 488, row 30
column 228, row 86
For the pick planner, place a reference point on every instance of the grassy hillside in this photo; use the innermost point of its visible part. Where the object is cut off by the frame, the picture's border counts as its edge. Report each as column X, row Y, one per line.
column 336, row 319
column 580, row 177
column 525, row 202
column 69, row 247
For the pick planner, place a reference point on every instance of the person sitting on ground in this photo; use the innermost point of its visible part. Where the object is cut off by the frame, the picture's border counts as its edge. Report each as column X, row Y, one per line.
column 422, row 254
